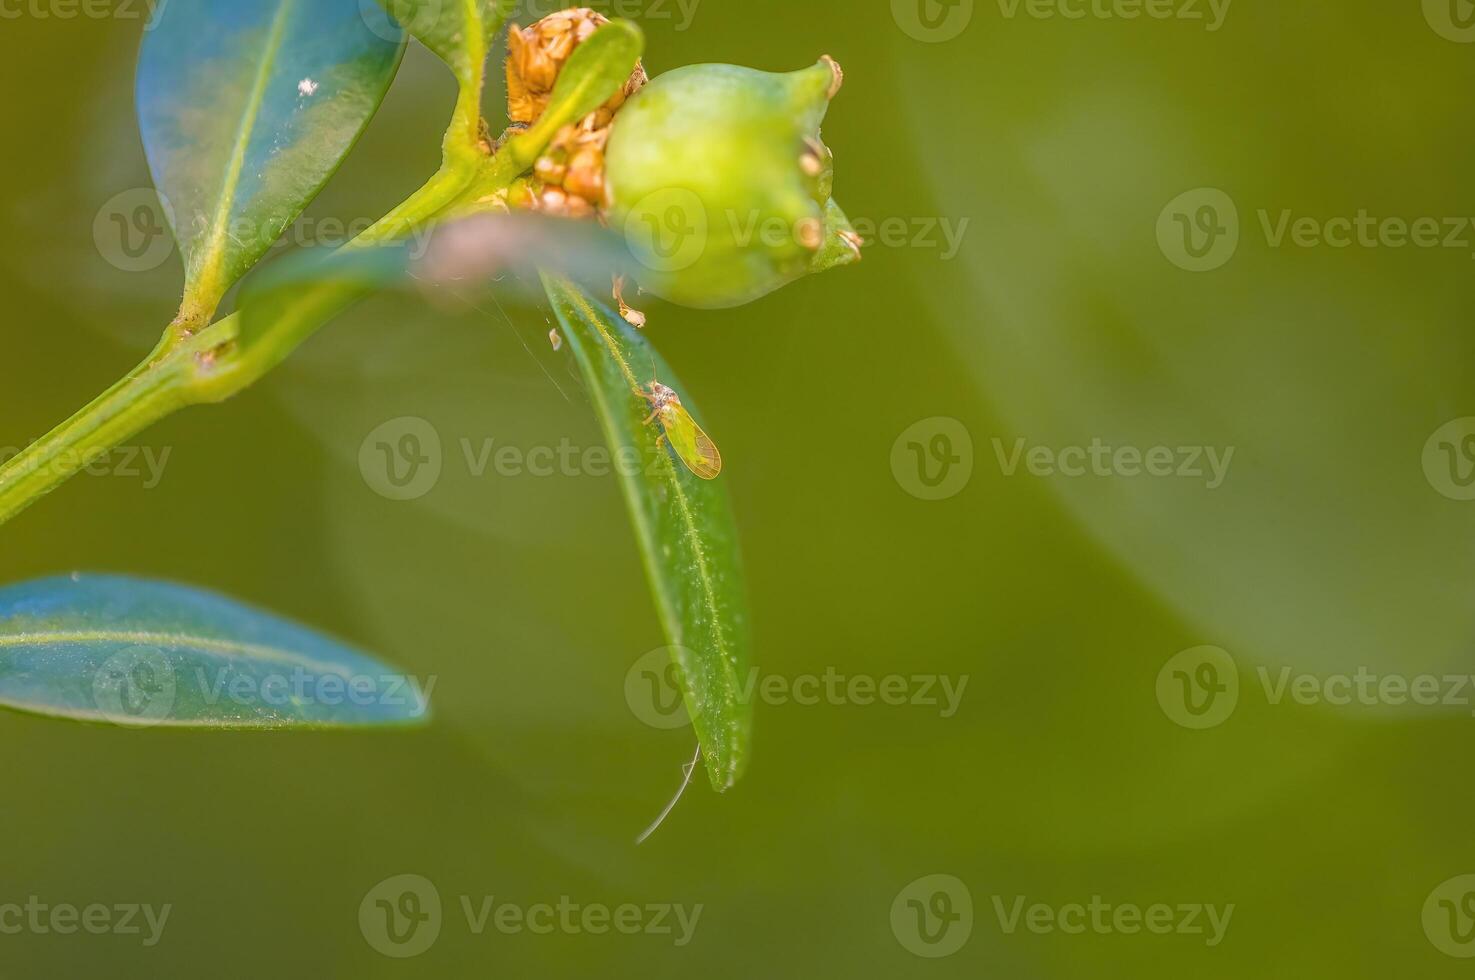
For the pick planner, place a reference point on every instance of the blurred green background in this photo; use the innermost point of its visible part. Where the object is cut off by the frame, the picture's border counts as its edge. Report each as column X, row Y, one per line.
column 1079, row 152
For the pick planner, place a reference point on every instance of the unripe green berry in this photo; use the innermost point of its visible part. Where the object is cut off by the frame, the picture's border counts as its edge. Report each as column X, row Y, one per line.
column 717, row 176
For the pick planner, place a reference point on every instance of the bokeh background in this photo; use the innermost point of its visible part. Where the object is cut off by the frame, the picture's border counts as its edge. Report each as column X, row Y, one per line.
column 1075, row 155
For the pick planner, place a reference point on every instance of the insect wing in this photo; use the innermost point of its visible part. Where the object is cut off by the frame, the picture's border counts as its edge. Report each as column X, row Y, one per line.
column 695, row 447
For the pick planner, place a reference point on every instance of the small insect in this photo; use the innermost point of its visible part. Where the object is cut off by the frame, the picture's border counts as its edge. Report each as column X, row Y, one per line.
column 694, row 446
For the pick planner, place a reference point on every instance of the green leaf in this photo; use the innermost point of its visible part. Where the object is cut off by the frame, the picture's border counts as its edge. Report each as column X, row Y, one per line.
column 458, row 31
column 246, row 109
column 684, row 526
column 138, row 653
column 594, row 72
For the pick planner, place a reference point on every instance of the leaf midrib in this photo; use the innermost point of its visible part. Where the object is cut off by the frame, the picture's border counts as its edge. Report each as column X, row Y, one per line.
column 215, row 250
column 688, row 522
column 229, row 648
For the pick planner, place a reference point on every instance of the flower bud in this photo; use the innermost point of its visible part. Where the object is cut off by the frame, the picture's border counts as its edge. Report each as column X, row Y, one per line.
column 719, row 180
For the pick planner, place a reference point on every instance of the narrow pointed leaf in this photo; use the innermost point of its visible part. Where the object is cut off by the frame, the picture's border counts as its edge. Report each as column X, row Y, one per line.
column 139, row 653
column 246, row 109
column 684, row 527
column 458, row 31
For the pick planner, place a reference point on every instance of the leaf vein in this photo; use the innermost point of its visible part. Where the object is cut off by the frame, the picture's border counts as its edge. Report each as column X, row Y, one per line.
column 215, row 250
column 151, row 638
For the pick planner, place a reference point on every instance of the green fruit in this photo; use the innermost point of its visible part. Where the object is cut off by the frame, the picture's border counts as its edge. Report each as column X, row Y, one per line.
column 717, row 176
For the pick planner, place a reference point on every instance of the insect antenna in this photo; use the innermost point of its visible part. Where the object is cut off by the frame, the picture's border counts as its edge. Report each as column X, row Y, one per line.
column 687, row 771
column 646, row 391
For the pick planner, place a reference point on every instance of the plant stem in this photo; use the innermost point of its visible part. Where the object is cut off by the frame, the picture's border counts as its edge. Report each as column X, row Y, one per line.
column 463, row 156
column 208, row 367
column 147, row 394
column 189, row 368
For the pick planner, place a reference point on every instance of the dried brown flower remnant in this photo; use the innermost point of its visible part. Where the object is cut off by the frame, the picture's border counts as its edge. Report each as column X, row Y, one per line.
column 536, row 55
column 838, row 73
column 571, row 170
column 574, row 161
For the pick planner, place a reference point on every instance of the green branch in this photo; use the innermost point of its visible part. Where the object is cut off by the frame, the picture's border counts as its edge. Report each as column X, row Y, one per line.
column 191, row 368
column 209, row 366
